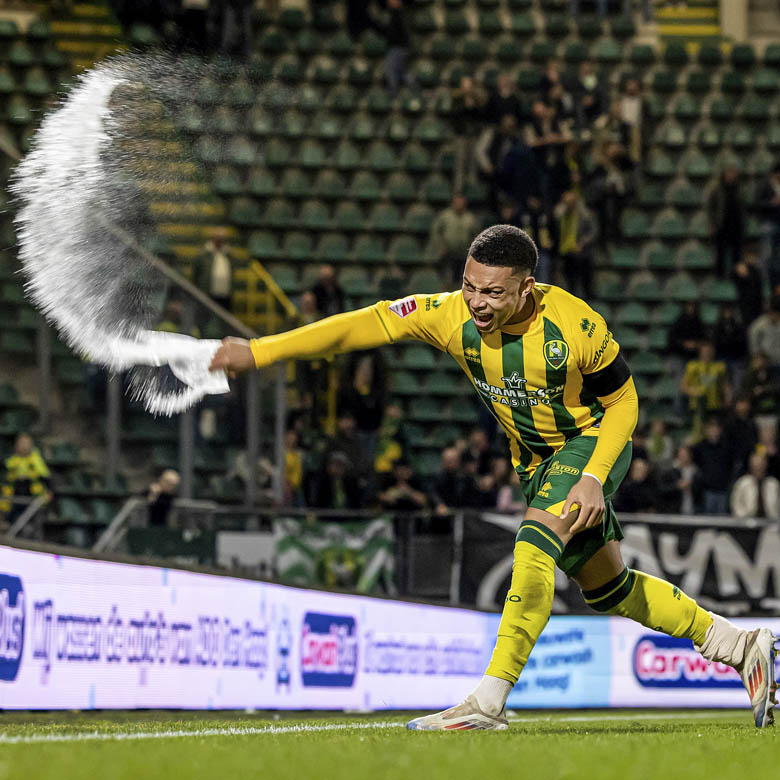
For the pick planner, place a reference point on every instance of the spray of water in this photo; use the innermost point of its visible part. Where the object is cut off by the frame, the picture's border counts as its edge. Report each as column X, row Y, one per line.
column 81, row 178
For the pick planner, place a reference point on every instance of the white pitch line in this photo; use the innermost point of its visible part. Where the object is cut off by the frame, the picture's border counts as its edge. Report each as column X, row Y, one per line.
column 243, row 731
column 238, row 731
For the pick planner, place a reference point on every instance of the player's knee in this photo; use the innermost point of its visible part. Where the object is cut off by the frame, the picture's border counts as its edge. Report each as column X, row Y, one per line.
column 609, row 597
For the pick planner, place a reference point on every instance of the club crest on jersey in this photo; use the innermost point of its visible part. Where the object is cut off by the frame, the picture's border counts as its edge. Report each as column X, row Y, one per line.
column 405, row 307
column 556, row 352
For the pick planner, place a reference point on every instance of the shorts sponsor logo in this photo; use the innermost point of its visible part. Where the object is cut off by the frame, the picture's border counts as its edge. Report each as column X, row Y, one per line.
column 557, row 468
column 405, row 307
column 329, row 650
column 556, row 352
column 11, row 626
column 670, row 662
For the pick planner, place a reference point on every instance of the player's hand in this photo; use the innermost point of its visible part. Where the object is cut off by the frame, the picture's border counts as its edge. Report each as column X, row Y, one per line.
column 589, row 495
column 233, row 356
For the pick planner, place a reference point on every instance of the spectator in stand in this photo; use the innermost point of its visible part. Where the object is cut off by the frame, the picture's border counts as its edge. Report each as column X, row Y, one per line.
column 730, row 341
column 468, row 106
column 402, row 491
column 677, row 485
column 307, row 308
column 761, row 387
column 365, row 395
column 632, row 110
column 26, row 475
column 576, row 229
column 683, row 340
column 728, row 216
column 563, row 103
column 764, row 335
column 610, row 128
column 396, row 32
column 214, row 271
column 504, row 101
column 391, row 440
column 235, row 26
column 159, row 498
column 767, row 445
column 549, row 79
column 521, row 180
column 639, row 444
column 172, row 319
column 588, row 95
column 706, row 385
column 756, row 494
column 452, row 488
column 451, row 235
column 349, row 442
column 638, row 493
column 336, row 486
column 491, row 151
column 328, row 292
column 714, row 459
column 547, row 136
column 611, row 188
column 507, row 486
column 477, row 450
column 660, row 448
column 741, row 432
column 358, row 18
column 747, row 278
column 293, row 470
column 602, row 8
column 768, row 207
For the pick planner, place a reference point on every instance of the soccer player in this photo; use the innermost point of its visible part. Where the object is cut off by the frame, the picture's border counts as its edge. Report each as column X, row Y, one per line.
column 550, row 372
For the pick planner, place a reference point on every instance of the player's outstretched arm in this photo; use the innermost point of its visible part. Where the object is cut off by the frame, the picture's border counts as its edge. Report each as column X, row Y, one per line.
column 354, row 330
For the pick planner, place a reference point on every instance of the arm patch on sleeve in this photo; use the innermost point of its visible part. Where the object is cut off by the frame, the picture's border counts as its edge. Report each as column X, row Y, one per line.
column 608, row 379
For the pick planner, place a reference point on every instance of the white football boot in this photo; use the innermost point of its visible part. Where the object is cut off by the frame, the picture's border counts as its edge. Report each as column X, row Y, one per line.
column 466, row 716
column 758, row 675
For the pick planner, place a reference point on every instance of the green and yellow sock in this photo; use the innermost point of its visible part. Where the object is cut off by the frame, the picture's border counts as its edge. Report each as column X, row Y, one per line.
column 529, row 600
column 654, row 603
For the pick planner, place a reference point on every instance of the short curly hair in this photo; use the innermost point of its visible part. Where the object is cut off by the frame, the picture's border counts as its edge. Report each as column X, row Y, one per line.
column 505, row 245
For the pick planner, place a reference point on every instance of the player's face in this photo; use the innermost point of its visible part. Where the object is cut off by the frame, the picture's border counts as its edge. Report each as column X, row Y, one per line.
column 495, row 296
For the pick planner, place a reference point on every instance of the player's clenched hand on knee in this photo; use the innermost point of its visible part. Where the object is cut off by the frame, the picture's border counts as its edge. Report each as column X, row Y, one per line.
column 589, row 495
column 233, row 356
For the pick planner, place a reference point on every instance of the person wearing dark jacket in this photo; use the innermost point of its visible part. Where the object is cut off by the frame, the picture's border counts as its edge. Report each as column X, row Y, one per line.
column 741, row 432
column 336, row 487
column 727, row 215
column 768, row 207
column 750, row 287
column 396, row 33
column 730, row 339
column 639, row 492
column 714, row 458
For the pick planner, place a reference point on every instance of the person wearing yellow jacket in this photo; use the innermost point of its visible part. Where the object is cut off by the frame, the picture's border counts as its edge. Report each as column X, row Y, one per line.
column 548, row 369
column 26, row 475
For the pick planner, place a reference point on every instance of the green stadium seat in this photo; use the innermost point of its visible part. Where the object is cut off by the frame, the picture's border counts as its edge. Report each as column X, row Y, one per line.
column 588, row 27
column 398, row 130
column 664, row 81
column 276, row 153
column 523, row 25
column 721, row 291
column 69, row 510
column 623, row 27
column 419, row 219
column 292, row 18
column 647, row 363
column 629, row 338
column 642, row 54
column 365, row 186
column 658, row 257
column 699, row 226
column 418, row 358
column 684, row 195
column 772, row 56
column 710, row 55
column 312, row 154
column 740, row 136
column 295, row 125
column 660, row 165
column 272, row 41
column 378, row 101
column 698, row 82
column 262, row 183
column 263, row 245
column 7, row 81
column 473, row 49
column 381, row 157
column 556, row 26
column 340, row 45
column 241, row 151
column 755, row 109
column 309, row 98
column 541, row 51
column 277, row 214
column 732, row 82
column 509, row 51
column 429, row 131
column 671, row 135
column 369, row 249
column 633, row 313
column 349, row 217
column 708, row 136
column 400, row 187
column 644, row 288
column 687, row 108
column 333, row 248
column 21, row 55
column 362, row 128
column 650, row 195
column 405, row 250
column 294, row 184
column 426, row 281
column 223, row 121
column 329, row 185
column 625, row 258
column 261, row 123
column 286, row 277
column 8, row 395
column 346, row 156
column 372, row 45
column 681, row 287
column 356, row 282
column 404, row 383
column 9, row 30
column 290, row 70
column 696, row 165
column 456, row 22
column 37, row 83
column 385, row 218
column 314, row 215
column 342, row 99
column 326, row 127
column 437, row 189
column 575, row 52
column 676, row 54
column 245, row 212
column 696, row 257
column 766, row 81
column 18, row 111
column 635, row 225
column 226, row 181
column 360, row 73
column 669, row 225
column 743, row 56
column 665, row 314
column 325, row 72
column 722, row 109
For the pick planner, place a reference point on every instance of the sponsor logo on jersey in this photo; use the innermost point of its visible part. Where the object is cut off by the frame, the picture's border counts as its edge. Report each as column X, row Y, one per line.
column 516, row 392
column 405, row 307
column 556, row 352
column 670, row 662
column 11, row 626
column 588, row 326
column 329, row 650
column 600, row 350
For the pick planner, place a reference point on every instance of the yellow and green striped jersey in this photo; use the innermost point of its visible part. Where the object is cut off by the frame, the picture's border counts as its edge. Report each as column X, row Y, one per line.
column 530, row 376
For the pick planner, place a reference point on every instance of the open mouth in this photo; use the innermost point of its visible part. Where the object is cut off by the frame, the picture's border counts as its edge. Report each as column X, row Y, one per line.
column 482, row 320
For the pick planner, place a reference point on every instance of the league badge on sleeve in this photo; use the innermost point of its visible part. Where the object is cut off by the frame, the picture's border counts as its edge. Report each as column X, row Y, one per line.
column 404, row 307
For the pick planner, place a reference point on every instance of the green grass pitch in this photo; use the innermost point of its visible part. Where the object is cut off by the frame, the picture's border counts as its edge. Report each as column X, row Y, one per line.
column 717, row 745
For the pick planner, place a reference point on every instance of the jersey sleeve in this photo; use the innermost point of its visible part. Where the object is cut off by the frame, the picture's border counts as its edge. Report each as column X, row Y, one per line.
column 596, row 346
column 428, row 318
